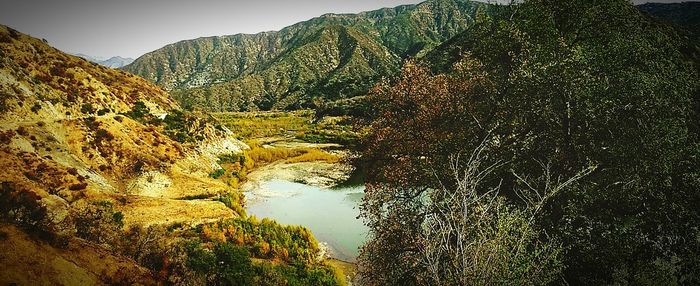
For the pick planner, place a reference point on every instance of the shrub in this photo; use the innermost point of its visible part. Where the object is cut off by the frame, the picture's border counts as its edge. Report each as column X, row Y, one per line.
column 97, row 221
column 218, row 173
column 22, row 131
column 87, row 108
column 6, row 136
column 234, row 266
column 103, row 134
column 289, row 243
column 36, row 107
column 233, row 201
column 22, row 206
column 139, row 110
column 5, row 38
column 147, row 245
column 78, row 186
column 532, row 86
column 199, row 259
column 72, row 171
column 14, row 34
column 4, row 97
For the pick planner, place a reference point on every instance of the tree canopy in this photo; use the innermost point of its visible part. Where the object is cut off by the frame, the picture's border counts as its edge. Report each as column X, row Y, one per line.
column 550, row 90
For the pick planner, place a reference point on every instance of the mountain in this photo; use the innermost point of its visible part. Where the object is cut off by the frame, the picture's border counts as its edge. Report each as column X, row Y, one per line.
column 685, row 14
column 89, row 58
column 328, row 58
column 116, row 62
column 78, row 140
column 113, row 62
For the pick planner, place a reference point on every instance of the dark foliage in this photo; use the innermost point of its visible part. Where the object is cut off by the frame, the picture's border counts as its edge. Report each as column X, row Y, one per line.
column 561, row 84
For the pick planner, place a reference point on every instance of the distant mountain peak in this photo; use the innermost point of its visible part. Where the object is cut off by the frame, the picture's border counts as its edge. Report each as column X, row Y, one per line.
column 112, row 62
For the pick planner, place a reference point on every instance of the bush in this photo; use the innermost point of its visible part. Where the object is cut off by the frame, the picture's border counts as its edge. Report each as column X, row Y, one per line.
column 97, row 221
column 566, row 84
column 87, row 108
column 146, row 245
column 36, row 107
column 103, row 134
column 199, row 259
column 229, row 264
column 6, row 136
column 138, row 112
column 234, row 266
column 233, row 201
column 22, row 207
column 78, row 186
column 218, row 173
column 288, row 243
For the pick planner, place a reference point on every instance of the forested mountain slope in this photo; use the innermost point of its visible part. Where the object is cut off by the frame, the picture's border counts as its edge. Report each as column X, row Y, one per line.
column 685, row 14
column 324, row 59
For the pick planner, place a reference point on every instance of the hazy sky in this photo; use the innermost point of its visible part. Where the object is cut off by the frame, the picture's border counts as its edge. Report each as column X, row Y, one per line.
column 130, row 28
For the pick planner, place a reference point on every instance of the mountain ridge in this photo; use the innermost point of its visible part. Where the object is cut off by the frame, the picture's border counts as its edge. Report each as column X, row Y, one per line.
column 112, row 62
column 228, row 73
column 116, row 62
column 683, row 14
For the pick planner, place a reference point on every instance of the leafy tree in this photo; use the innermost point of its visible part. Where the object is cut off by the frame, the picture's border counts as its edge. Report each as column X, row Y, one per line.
column 199, row 259
column 563, row 84
column 146, row 245
column 234, row 266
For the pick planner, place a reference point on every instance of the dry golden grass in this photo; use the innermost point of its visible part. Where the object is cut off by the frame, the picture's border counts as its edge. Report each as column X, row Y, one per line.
column 247, row 125
column 30, row 261
column 312, row 155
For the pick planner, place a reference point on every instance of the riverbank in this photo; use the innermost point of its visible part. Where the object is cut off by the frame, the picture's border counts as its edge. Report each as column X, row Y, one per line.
column 319, row 174
column 304, row 194
column 290, row 175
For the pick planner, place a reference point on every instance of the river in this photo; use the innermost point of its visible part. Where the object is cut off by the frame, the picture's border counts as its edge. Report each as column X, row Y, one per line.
column 330, row 213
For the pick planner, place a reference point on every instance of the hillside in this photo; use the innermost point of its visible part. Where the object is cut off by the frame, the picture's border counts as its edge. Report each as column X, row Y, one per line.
column 684, row 18
column 685, row 14
column 30, row 261
column 324, row 59
column 79, row 141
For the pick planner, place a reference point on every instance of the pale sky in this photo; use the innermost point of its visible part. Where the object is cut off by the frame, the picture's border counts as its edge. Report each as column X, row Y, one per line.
column 130, row 28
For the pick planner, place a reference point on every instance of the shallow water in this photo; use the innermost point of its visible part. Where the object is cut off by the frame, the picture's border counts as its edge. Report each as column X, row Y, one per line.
column 331, row 214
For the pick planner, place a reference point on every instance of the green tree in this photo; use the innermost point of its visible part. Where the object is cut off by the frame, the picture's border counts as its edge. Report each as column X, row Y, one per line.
column 234, row 266
column 564, row 84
